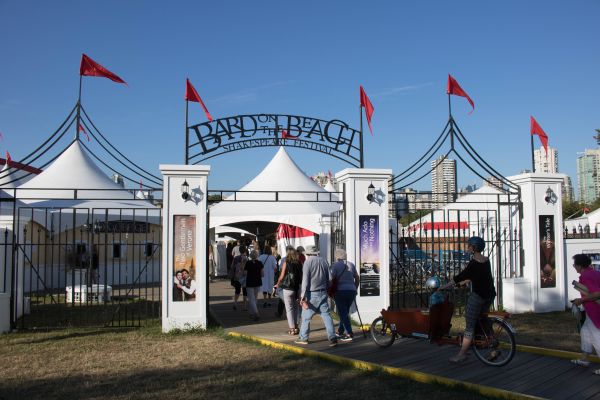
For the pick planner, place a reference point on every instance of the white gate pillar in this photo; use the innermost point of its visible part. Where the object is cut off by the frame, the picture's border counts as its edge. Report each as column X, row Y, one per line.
column 184, row 247
column 6, row 255
column 367, row 235
column 542, row 287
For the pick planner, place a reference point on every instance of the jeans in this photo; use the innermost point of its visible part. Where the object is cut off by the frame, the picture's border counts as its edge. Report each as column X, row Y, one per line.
column 343, row 301
column 290, row 298
column 317, row 302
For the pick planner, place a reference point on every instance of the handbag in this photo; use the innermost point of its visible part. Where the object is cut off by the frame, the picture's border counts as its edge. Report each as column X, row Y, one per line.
column 333, row 285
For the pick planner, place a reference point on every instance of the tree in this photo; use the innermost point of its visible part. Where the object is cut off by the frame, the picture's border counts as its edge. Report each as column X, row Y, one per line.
column 571, row 209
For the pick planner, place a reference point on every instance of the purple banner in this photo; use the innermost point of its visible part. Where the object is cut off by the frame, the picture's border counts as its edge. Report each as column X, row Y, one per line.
column 547, row 252
column 184, row 262
column 370, row 262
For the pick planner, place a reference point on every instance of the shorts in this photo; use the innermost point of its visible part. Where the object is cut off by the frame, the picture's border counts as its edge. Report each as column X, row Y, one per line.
column 237, row 285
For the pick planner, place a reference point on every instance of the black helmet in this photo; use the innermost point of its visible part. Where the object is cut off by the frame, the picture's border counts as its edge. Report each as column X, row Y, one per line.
column 477, row 242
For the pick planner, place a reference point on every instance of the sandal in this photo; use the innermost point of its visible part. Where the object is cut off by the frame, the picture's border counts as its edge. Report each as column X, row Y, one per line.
column 296, row 331
column 581, row 363
column 291, row 332
column 457, row 359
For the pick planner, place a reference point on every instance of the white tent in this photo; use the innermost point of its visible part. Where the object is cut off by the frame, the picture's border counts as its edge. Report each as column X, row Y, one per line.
column 73, row 180
column 282, row 193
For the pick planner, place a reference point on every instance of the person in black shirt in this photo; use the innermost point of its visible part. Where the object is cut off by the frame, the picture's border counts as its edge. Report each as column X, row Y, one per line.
column 479, row 273
column 254, row 272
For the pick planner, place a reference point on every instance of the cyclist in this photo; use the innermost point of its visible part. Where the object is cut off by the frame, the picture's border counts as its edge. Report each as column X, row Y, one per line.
column 479, row 273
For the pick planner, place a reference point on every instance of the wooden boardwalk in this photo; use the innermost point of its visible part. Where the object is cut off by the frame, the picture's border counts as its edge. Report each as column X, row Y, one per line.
column 529, row 374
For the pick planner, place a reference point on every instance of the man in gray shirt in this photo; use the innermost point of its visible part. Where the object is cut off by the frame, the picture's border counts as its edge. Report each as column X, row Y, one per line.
column 313, row 294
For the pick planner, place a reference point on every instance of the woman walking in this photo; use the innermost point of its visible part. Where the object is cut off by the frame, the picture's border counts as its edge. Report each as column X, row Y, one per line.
column 236, row 273
column 253, row 271
column 289, row 281
column 347, row 282
column 270, row 265
column 479, row 272
column 589, row 287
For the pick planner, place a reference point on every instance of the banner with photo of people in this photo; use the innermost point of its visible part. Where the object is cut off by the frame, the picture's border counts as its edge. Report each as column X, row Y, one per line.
column 184, row 263
column 547, row 252
column 370, row 262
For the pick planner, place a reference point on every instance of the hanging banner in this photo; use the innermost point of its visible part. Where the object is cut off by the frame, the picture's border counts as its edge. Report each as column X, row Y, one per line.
column 184, row 263
column 547, row 252
column 370, row 262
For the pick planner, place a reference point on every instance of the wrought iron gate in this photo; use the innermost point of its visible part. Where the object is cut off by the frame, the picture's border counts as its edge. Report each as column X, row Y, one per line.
column 86, row 267
column 432, row 229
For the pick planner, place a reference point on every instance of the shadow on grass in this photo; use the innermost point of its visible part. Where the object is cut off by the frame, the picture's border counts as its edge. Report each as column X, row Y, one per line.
column 234, row 379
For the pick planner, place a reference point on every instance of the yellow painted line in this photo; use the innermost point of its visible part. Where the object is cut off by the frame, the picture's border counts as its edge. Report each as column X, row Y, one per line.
column 394, row 371
column 554, row 353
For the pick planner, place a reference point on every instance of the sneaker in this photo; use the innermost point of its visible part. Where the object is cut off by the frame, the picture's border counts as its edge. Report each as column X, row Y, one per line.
column 581, row 363
column 339, row 335
column 302, row 342
column 346, row 338
column 333, row 343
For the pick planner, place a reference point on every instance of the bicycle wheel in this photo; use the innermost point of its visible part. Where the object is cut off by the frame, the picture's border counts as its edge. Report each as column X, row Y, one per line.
column 496, row 346
column 381, row 333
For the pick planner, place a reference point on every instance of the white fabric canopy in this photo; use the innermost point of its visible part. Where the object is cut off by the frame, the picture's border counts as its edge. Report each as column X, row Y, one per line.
column 73, row 180
column 282, row 193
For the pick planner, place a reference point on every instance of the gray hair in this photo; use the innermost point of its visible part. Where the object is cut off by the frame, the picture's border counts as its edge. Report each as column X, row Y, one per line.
column 340, row 254
column 253, row 254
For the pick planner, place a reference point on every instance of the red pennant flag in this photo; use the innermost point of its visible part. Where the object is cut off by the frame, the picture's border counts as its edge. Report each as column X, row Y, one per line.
column 192, row 95
column 455, row 89
column 285, row 135
column 329, row 174
column 366, row 103
column 8, row 159
column 536, row 129
column 90, row 67
column 84, row 132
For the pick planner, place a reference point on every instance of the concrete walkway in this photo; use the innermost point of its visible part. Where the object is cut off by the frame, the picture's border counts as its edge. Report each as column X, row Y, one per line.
column 528, row 375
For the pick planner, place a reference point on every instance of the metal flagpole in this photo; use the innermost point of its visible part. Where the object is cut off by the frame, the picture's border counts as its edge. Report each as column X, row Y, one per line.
column 362, row 159
column 187, row 134
column 78, row 109
column 532, row 157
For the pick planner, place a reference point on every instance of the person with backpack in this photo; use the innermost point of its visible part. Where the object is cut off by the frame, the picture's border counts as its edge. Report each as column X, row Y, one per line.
column 289, row 281
column 236, row 273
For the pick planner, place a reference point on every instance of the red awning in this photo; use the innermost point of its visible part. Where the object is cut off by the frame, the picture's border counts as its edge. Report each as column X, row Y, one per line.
column 290, row 231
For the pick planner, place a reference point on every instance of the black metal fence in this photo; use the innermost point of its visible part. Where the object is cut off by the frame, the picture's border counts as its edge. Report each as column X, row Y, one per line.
column 430, row 239
column 84, row 266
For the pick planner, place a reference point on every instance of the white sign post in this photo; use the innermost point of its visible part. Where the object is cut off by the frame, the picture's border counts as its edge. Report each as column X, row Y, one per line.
column 184, row 241
column 367, row 235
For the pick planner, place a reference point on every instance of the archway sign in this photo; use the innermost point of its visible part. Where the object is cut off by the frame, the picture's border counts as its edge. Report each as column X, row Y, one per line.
column 213, row 138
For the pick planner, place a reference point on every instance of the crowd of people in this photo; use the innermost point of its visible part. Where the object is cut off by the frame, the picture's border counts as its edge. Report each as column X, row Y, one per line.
column 299, row 280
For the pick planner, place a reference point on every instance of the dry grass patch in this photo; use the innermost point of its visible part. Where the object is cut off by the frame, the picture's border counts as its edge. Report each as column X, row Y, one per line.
column 144, row 364
column 554, row 330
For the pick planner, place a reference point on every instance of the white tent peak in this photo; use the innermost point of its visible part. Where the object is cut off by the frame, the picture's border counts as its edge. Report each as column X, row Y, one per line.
column 73, row 169
column 282, row 174
column 282, row 193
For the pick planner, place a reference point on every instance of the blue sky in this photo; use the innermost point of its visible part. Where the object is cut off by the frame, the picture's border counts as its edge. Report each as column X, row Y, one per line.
column 514, row 58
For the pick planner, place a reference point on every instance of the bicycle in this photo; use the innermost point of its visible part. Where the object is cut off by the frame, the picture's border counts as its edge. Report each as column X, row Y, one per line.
column 493, row 341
